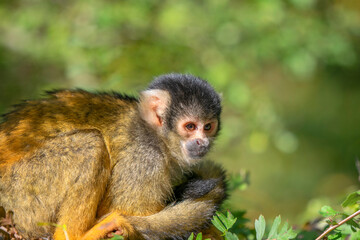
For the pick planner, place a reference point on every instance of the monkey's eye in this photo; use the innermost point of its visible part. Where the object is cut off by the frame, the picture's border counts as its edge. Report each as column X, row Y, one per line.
column 190, row 126
column 207, row 127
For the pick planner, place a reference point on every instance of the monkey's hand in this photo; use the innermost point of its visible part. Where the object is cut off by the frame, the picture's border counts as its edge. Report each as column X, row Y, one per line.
column 195, row 188
column 207, row 179
column 113, row 223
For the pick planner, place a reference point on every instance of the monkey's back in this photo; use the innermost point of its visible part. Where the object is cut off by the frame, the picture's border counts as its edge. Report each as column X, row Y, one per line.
column 31, row 123
column 50, row 149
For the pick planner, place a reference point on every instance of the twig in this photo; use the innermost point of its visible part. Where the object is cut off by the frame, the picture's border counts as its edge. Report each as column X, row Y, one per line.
column 65, row 232
column 339, row 224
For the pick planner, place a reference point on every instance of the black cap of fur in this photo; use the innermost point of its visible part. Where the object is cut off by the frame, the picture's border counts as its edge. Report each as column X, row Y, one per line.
column 190, row 96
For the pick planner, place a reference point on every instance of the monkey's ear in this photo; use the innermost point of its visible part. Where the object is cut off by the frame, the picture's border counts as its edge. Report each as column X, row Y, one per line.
column 152, row 106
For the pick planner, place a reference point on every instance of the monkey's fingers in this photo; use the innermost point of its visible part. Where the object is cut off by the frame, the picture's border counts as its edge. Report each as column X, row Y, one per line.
column 115, row 232
column 111, row 224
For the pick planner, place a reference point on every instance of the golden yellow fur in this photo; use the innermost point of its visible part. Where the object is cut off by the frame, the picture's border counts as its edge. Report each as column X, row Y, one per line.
column 91, row 162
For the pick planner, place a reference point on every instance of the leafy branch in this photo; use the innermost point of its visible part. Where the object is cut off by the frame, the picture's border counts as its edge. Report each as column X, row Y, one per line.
column 338, row 225
column 351, row 201
column 223, row 224
column 285, row 232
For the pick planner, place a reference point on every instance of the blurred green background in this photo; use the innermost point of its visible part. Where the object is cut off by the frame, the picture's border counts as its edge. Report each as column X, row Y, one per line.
column 289, row 72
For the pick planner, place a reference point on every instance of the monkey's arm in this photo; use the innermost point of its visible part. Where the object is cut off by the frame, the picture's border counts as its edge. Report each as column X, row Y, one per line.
column 179, row 220
column 196, row 202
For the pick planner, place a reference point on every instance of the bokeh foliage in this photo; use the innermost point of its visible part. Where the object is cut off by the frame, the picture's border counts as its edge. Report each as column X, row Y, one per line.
column 288, row 70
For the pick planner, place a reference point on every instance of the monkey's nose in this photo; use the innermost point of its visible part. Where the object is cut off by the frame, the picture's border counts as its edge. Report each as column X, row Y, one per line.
column 202, row 142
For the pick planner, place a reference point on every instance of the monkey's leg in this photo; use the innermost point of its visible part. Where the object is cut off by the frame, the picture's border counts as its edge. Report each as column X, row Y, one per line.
column 77, row 211
column 79, row 207
column 61, row 182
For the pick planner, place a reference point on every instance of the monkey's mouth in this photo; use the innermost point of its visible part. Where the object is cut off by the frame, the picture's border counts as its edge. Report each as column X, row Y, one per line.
column 198, row 153
column 193, row 153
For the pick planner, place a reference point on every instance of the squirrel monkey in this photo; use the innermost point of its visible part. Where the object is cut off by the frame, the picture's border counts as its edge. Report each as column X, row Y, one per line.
column 103, row 162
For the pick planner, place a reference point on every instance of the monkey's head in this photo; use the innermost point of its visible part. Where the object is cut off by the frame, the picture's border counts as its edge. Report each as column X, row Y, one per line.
column 185, row 111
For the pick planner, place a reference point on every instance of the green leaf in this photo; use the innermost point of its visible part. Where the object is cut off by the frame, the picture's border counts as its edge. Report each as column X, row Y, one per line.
column 191, row 236
column 241, row 180
column 355, row 236
column 117, row 237
column 228, row 221
column 331, row 222
column 63, row 226
column 230, row 236
column 274, row 228
column 353, row 224
column 290, row 234
column 229, row 215
column 199, row 236
column 327, row 211
column 231, row 219
column 335, row 236
column 351, row 199
column 260, row 227
column 286, row 233
column 224, row 220
column 217, row 223
column 284, row 228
